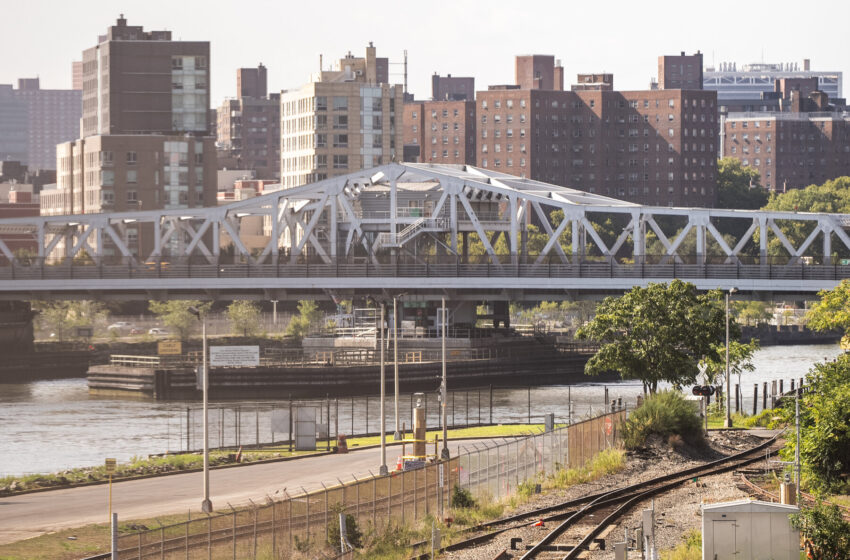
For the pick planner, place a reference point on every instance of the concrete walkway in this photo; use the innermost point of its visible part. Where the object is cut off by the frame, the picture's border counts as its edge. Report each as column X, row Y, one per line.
column 30, row 515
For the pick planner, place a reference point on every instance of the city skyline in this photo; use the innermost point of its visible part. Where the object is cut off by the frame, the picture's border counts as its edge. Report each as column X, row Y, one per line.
column 436, row 40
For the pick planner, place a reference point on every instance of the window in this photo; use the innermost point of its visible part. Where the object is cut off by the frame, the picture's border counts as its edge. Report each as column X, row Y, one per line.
column 340, row 162
column 200, row 62
column 377, row 104
column 132, row 197
column 322, row 141
column 671, row 133
column 131, row 157
column 497, row 104
column 177, row 62
column 522, row 103
column 132, row 175
column 321, row 122
column 340, row 122
column 414, row 114
column 322, row 104
column 340, row 103
column 341, row 141
column 107, row 197
column 671, row 103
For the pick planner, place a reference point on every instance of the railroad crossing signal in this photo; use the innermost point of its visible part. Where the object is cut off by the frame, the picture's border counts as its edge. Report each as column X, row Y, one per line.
column 703, row 390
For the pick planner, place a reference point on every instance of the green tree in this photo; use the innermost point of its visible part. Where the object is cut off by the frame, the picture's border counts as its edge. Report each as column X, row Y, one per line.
column 656, row 334
column 740, row 359
column 825, row 529
column 752, row 312
column 738, row 186
column 175, row 314
column 244, row 317
column 832, row 311
column 308, row 316
column 831, row 196
column 824, row 426
column 62, row 317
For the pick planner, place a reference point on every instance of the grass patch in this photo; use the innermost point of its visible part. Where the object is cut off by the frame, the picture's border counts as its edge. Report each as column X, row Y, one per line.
column 602, row 464
column 691, row 549
column 666, row 413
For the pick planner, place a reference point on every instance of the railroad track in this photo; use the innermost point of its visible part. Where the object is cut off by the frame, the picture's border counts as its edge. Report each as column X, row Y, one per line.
column 607, row 505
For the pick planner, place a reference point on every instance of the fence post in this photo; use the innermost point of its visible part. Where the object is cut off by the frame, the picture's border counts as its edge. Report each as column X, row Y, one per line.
column 529, row 404
column 257, row 426
column 209, row 539
column 234, row 534
column 737, row 398
column 188, row 423
column 415, row 497
column 764, row 396
column 491, row 404
column 374, row 501
column 755, row 397
column 402, row 496
column 274, row 530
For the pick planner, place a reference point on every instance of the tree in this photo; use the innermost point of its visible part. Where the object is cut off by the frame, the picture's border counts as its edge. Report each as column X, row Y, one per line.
column 244, row 317
column 175, row 314
column 62, row 317
column 740, row 359
column 824, row 426
column 752, row 312
column 658, row 333
column 308, row 316
column 738, row 186
column 825, row 529
column 832, row 311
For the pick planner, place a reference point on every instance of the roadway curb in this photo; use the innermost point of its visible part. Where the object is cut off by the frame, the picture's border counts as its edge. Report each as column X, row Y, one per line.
column 217, row 467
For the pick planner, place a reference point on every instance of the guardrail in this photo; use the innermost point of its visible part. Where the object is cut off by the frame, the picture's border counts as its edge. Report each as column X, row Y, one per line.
column 458, row 269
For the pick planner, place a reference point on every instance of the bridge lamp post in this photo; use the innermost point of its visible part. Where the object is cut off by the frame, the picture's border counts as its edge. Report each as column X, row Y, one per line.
column 397, row 434
column 206, row 505
column 728, row 422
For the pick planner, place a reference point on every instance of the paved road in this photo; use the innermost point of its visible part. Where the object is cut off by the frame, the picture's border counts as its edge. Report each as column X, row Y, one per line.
column 30, row 515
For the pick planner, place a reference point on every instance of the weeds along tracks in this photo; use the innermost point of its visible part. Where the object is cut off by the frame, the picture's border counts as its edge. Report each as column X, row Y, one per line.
column 610, row 505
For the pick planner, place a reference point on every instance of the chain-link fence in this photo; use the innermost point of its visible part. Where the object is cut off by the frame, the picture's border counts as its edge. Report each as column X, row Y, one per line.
column 307, row 522
column 495, row 469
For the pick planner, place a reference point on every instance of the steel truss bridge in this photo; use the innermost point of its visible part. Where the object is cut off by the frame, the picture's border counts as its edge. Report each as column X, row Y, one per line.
column 428, row 230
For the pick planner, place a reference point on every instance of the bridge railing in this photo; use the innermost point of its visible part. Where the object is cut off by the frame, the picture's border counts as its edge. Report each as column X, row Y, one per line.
column 645, row 268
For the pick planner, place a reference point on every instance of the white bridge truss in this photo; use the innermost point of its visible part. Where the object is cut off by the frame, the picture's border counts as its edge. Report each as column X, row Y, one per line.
column 402, row 226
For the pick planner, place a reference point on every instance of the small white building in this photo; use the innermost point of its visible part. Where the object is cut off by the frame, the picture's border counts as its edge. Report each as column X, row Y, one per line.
column 749, row 530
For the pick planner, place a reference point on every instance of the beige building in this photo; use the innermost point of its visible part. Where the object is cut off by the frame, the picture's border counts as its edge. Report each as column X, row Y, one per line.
column 126, row 173
column 344, row 120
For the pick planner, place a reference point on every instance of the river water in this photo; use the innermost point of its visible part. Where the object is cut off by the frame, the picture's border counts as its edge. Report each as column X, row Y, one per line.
column 51, row 425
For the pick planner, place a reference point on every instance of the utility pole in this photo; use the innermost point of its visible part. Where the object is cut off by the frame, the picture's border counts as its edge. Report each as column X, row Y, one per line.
column 445, row 452
column 797, row 447
column 728, row 422
column 396, row 434
column 383, row 424
column 206, row 505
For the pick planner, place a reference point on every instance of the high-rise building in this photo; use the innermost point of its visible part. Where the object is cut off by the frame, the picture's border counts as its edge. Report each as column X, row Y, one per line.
column 593, row 82
column 452, row 88
column 439, row 132
column 753, row 80
column 342, row 121
column 146, row 142
column 653, row 147
column 680, row 71
column 248, row 127
column 77, row 75
column 138, row 82
column 252, row 82
column 34, row 120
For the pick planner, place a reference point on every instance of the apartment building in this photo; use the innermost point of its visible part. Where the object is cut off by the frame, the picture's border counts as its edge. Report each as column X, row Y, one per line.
column 439, row 132
column 342, row 121
column 652, row 147
column 452, row 88
column 138, row 151
column 34, row 120
column 680, row 71
column 790, row 150
column 248, row 127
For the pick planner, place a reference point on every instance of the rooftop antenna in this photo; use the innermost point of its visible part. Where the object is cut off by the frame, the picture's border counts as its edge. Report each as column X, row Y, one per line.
column 405, row 70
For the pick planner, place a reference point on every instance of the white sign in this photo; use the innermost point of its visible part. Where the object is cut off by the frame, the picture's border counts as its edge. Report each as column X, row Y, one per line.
column 234, row 356
column 280, row 421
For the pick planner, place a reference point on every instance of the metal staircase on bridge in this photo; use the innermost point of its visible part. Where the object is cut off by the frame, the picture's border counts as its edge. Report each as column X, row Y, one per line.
column 395, row 240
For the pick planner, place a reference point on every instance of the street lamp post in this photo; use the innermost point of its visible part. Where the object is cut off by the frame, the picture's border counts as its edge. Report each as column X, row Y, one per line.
column 396, row 434
column 383, row 468
column 728, row 422
column 206, row 505
column 445, row 452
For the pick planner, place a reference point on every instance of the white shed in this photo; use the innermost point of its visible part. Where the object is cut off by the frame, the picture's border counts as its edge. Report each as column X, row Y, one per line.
column 749, row 530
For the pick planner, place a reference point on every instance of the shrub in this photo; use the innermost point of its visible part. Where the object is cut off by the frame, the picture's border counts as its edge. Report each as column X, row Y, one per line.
column 823, row 526
column 462, row 498
column 352, row 530
column 665, row 414
column 691, row 549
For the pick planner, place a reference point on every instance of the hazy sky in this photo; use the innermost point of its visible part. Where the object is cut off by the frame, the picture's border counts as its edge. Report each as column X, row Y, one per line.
column 461, row 37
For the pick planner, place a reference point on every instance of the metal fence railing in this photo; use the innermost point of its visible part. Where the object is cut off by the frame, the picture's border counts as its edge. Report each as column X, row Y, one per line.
column 302, row 520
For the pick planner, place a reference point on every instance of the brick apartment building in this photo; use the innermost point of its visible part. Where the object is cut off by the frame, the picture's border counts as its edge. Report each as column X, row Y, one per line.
column 248, row 127
column 18, row 201
column 452, row 88
column 655, row 147
column 138, row 152
column 680, row 71
column 790, row 150
column 440, row 132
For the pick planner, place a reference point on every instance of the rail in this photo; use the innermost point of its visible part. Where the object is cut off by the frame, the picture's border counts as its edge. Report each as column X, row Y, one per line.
column 550, row 268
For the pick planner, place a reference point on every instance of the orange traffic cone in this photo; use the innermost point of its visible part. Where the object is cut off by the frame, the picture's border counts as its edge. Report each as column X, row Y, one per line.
column 398, row 465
